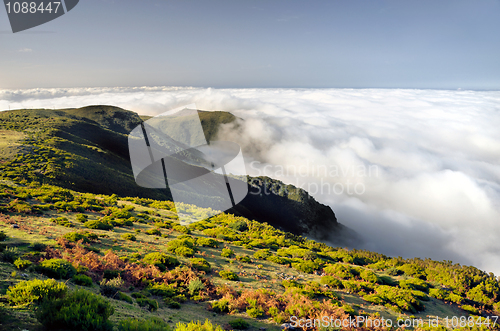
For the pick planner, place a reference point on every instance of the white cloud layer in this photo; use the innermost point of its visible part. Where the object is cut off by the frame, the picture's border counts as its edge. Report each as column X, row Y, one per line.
column 423, row 166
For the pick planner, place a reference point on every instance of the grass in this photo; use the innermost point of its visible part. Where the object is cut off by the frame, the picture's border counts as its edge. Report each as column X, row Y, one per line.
column 10, row 143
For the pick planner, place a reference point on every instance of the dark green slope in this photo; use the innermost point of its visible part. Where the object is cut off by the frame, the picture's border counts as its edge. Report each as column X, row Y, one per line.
column 86, row 149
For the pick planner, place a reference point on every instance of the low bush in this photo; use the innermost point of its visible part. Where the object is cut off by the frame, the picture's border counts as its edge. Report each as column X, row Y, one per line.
column 98, row 225
column 262, row 254
column 221, row 306
column 228, row 274
column 195, row 286
column 226, row 252
column 10, row 254
column 129, row 236
column 369, row 276
column 82, row 280
column 85, row 236
column 56, row 268
column 181, row 229
column 244, row 258
column 22, row 264
column 161, row 260
column 470, row 309
column 3, row 236
column 111, row 287
column 153, row 232
column 124, row 297
column 207, row 242
column 200, row 264
column 62, row 221
column 197, row 326
column 255, row 312
column 307, row 267
column 415, row 284
column 162, row 290
column 239, row 324
column 149, row 304
column 37, row 247
column 331, row 281
column 341, row 270
column 239, row 226
column 80, row 310
column 82, row 218
column 35, row 290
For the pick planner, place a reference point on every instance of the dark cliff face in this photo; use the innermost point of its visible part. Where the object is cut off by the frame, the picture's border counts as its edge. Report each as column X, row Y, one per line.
column 94, row 138
column 292, row 209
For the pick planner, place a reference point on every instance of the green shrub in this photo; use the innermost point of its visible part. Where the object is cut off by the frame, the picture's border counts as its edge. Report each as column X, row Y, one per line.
column 82, row 280
column 124, row 297
column 239, row 226
column 438, row 293
column 255, row 312
column 129, row 236
column 38, row 247
column 413, row 270
column 226, row 252
column 111, row 287
column 278, row 259
column 161, row 260
column 306, row 266
column 244, row 258
column 3, row 236
column 369, row 276
column 181, row 229
column 150, row 304
column 331, row 281
column 56, row 268
column 262, row 254
column 195, row 286
column 35, row 290
column 62, row 221
column 228, row 274
column 182, row 247
column 22, row 264
column 239, row 324
column 401, row 298
column 197, row 326
column 162, row 290
column 80, row 310
column 184, row 251
column 207, row 242
column 85, row 236
column 10, row 254
column 455, row 298
column 200, row 264
column 221, row 306
column 394, row 271
column 153, row 232
column 340, row 270
column 151, row 324
column 171, row 303
column 470, row 309
column 415, row 284
column 98, row 225
column 82, row 218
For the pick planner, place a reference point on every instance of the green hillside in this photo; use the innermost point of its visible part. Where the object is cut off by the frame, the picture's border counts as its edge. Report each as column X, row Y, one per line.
column 86, row 150
column 141, row 264
column 80, row 252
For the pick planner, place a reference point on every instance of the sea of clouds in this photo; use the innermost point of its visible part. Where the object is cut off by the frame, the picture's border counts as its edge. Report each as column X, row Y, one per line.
column 415, row 172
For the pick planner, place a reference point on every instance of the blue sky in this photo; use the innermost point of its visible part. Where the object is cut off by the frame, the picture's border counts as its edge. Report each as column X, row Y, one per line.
column 382, row 44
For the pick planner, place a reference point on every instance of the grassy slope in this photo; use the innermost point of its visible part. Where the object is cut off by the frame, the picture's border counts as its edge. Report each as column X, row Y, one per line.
column 254, row 275
column 86, row 149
